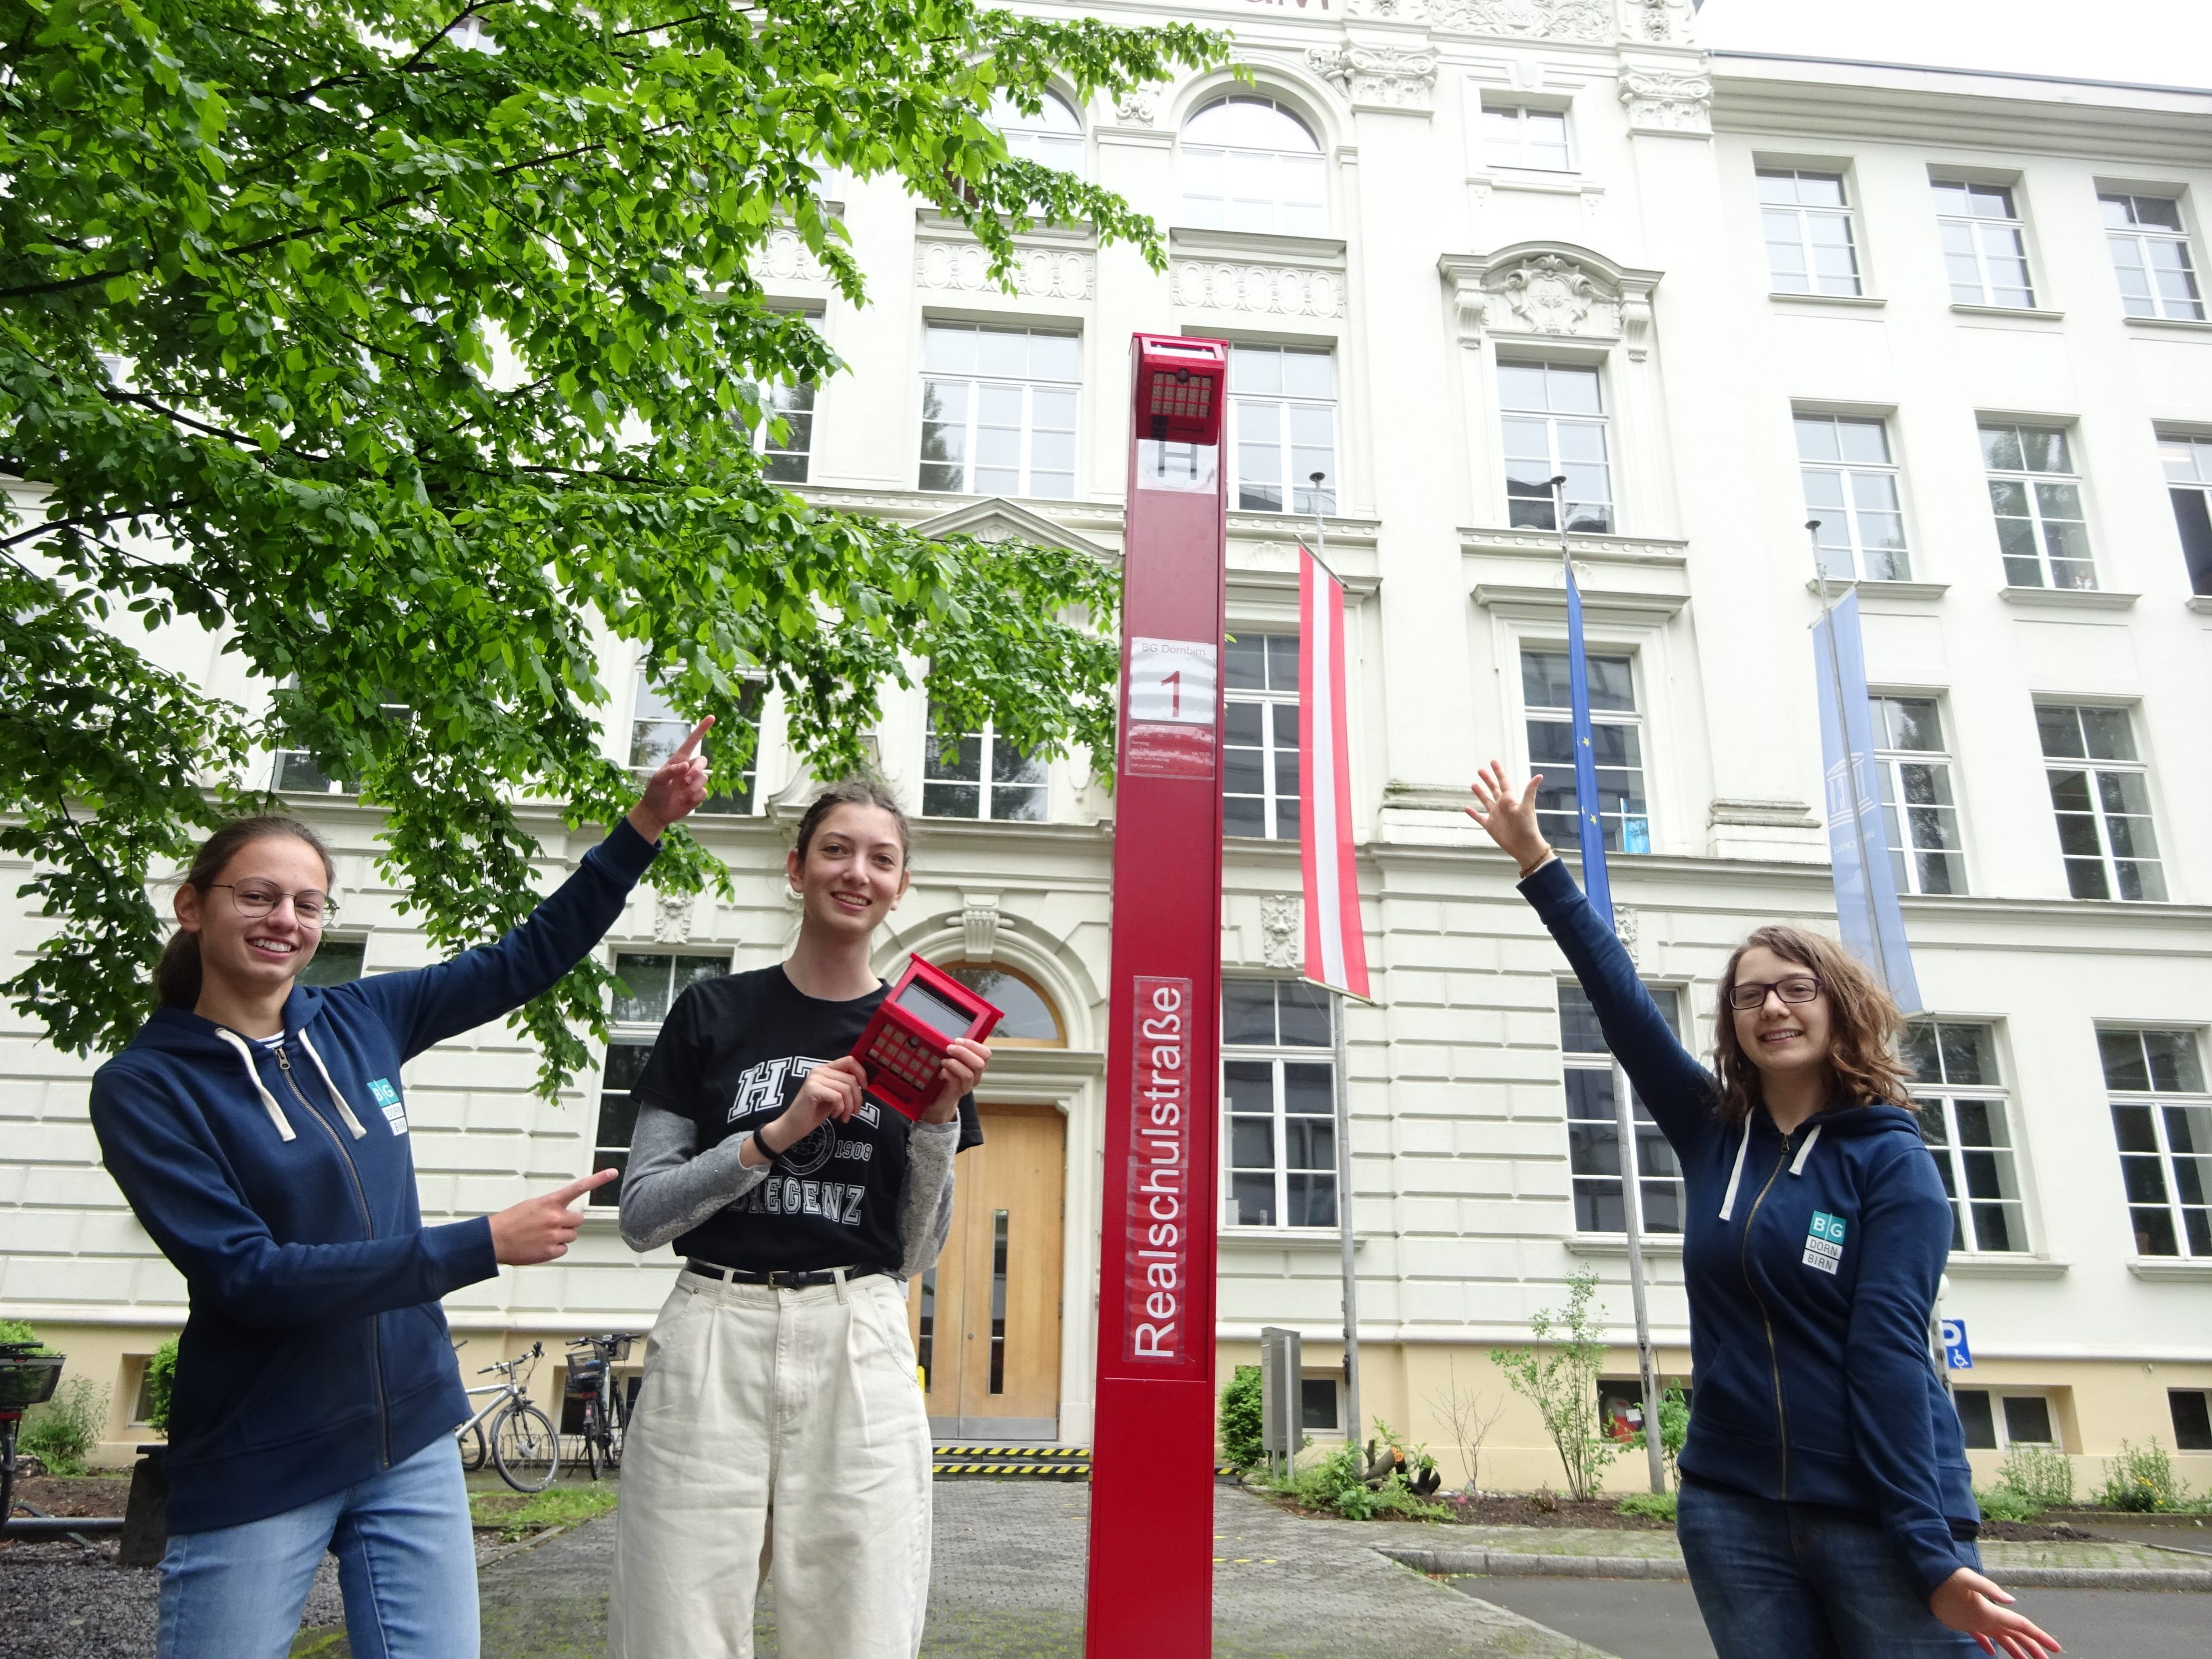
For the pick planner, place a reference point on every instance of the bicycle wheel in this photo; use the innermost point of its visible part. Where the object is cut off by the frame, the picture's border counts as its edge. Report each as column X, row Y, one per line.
column 524, row 1449
column 470, row 1436
column 619, row 1428
column 7, row 1471
column 595, row 1436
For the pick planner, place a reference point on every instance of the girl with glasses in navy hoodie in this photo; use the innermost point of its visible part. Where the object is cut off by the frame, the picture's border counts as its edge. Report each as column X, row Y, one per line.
column 258, row 1128
column 1825, row 1507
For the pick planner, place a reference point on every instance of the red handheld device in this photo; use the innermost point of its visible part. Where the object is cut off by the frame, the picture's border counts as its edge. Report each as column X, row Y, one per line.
column 904, row 1047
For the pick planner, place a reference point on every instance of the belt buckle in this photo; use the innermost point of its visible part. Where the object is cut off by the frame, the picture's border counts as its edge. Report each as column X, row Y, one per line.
column 778, row 1279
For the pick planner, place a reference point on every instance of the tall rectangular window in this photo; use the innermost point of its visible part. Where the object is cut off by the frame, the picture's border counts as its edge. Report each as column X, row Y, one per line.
column 998, row 410
column 1279, row 1096
column 1283, row 399
column 1616, row 745
column 2150, row 256
column 650, row 985
column 1807, row 223
column 1917, row 802
column 1594, row 1140
column 1850, row 489
column 978, row 774
column 1514, row 136
column 1984, row 245
column 2036, row 494
column 657, row 731
column 2188, row 463
column 1260, row 741
column 1966, row 1120
column 2162, row 1119
column 1553, row 425
column 2101, row 793
column 335, row 962
column 784, row 439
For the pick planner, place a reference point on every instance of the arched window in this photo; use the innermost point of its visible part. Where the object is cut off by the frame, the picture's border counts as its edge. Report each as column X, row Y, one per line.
column 1053, row 136
column 1030, row 1021
column 1249, row 164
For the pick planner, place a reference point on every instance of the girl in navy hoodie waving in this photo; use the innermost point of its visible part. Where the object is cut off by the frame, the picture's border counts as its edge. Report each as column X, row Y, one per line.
column 1825, row 1508
column 258, row 1128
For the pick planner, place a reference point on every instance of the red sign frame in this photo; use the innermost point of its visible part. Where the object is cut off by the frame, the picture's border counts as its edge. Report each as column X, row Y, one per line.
column 1151, row 1492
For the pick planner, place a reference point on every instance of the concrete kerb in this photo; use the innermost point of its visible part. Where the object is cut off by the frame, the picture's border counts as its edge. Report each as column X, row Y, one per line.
column 1500, row 1564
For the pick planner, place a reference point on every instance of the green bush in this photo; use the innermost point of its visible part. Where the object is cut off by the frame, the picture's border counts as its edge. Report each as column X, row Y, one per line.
column 62, row 1433
column 16, row 1330
column 2004, row 1503
column 2042, row 1477
column 1674, row 1428
column 1653, row 1506
column 1240, row 1419
column 2140, row 1481
column 1337, row 1485
column 1559, row 1376
column 161, row 1384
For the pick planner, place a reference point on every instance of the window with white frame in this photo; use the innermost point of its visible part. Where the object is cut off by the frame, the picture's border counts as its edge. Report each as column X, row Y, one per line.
column 2036, row 494
column 1283, row 400
column 1917, row 802
column 651, row 983
column 1807, row 223
column 978, row 774
column 2191, row 1411
column 998, row 410
column 1998, row 1419
column 2187, row 459
column 1984, row 245
column 1279, row 1097
column 2150, row 256
column 1259, row 737
column 1552, row 421
column 1616, row 746
column 2162, row 1120
column 1519, row 135
column 2100, row 790
column 1850, row 489
column 1592, row 1138
column 1052, row 138
column 784, row 438
column 657, row 732
column 297, row 773
column 1249, row 164
column 335, row 962
column 1966, row 1121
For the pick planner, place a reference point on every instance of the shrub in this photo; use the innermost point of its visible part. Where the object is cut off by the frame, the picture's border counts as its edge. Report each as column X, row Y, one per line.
column 1337, row 1485
column 1653, row 1506
column 2140, row 1481
column 1673, row 1428
column 17, row 1330
column 161, row 1384
column 1562, row 1382
column 1240, row 1419
column 62, row 1433
column 2042, row 1477
column 2004, row 1503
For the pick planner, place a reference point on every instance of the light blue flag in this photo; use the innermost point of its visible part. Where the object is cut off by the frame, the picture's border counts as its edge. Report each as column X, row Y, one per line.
column 1597, row 886
column 1866, row 911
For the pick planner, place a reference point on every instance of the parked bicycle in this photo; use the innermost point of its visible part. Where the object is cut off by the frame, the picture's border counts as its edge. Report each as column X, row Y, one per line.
column 523, row 1445
column 27, row 1379
column 606, row 1406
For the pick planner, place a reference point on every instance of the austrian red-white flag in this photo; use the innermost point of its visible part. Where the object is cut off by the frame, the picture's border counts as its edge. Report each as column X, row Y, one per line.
column 1336, row 948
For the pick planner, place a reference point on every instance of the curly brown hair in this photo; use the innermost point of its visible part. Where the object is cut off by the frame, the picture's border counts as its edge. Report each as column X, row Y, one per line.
column 1863, row 1025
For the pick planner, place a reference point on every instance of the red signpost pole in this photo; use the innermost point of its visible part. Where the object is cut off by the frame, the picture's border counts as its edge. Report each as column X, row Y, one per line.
column 1151, row 1487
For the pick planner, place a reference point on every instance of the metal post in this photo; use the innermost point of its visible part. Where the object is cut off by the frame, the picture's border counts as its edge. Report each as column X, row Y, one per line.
column 1866, row 854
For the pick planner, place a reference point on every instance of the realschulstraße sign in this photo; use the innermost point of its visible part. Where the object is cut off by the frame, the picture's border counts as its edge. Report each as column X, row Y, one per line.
column 1151, row 1490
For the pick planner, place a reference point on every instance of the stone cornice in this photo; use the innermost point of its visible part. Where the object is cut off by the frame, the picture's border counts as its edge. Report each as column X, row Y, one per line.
column 1657, row 552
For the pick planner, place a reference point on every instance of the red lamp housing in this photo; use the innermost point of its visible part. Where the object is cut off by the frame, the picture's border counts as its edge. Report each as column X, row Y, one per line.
column 904, row 1045
column 1180, row 386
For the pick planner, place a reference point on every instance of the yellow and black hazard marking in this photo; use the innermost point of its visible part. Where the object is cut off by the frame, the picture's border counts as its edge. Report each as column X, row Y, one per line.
column 1047, row 1462
column 1053, row 1471
column 1031, row 1450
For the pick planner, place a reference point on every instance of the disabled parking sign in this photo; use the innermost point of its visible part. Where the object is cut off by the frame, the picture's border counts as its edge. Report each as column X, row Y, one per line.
column 1957, row 1356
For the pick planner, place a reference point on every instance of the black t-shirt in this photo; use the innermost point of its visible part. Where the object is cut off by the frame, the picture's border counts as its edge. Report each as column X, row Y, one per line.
column 731, row 1056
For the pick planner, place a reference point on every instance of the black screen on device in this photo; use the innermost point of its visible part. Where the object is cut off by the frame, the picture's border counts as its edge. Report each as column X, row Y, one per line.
column 935, row 1011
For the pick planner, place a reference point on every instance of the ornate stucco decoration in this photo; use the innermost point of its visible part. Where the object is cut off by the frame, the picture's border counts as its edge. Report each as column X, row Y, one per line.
column 979, row 925
column 1626, row 928
column 1264, row 290
column 672, row 918
column 1662, row 20
column 1282, row 934
column 1040, row 273
column 1530, row 20
column 1661, row 102
column 1379, row 77
column 1137, row 108
column 784, row 258
column 1389, row 11
column 1552, row 290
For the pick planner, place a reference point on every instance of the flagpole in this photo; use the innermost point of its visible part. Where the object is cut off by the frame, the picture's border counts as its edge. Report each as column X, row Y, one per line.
column 1850, row 755
column 1623, row 1129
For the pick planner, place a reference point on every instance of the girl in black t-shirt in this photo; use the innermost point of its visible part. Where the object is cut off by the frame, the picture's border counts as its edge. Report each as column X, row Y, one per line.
column 780, row 1406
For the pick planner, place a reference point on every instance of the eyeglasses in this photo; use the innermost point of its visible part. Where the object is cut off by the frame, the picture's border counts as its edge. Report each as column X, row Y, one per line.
column 259, row 898
column 1749, row 993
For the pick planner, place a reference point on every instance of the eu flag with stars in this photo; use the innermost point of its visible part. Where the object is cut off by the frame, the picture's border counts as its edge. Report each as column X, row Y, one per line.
column 1597, row 887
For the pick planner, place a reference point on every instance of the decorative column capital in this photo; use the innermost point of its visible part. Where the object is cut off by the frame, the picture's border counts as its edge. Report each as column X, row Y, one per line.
column 1396, row 78
column 1660, row 100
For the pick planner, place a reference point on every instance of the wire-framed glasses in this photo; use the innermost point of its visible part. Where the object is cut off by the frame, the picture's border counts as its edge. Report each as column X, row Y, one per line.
column 259, row 898
column 1747, row 994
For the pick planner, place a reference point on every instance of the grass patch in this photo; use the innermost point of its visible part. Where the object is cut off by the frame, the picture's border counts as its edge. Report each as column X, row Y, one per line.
column 1651, row 1505
column 516, row 1513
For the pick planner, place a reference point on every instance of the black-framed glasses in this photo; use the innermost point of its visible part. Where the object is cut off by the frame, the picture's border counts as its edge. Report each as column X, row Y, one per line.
column 259, row 898
column 1749, row 993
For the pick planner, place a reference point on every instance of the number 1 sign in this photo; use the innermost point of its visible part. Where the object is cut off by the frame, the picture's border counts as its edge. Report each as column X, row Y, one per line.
column 1173, row 689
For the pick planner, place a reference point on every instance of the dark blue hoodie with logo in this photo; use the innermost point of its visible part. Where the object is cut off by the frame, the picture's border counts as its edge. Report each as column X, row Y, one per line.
column 277, row 1176
column 1811, row 1260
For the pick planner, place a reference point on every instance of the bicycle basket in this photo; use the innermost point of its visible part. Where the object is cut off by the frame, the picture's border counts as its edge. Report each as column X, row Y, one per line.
column 28, row 1379
column 584, row 1379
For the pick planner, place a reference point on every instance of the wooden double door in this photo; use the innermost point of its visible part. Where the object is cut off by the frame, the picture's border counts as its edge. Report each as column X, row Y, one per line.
column 986, row 1321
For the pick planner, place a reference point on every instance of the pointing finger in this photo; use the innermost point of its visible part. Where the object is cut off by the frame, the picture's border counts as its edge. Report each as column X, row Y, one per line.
column 576, row 1189
column 691, row 744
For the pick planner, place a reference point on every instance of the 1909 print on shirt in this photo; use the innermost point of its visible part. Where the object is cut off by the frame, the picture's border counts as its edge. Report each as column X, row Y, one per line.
column 731, row 1056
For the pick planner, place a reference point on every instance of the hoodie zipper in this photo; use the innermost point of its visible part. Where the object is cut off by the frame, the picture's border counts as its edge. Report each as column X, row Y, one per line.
column 1773, row 1356
column 367, row 1220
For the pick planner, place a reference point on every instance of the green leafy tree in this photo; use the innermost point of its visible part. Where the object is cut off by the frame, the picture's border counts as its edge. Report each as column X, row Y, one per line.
column 1560, row 1375
column 412, row 351
column 1241, row 1408
column 160, row 1385
column 1673, row 1428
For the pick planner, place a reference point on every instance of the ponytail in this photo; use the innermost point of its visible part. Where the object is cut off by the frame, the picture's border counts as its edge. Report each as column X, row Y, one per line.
column 176, row 975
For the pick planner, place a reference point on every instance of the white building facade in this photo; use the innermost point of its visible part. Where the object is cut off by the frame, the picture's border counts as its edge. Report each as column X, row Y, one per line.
column 1458, row 246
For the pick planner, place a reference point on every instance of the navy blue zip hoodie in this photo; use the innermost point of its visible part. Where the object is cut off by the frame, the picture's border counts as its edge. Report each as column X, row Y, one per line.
column 1811, row 1261
column 280, row 1182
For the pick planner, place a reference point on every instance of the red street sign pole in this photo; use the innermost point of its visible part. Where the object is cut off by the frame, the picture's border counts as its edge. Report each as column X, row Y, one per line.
column 1151, row 1484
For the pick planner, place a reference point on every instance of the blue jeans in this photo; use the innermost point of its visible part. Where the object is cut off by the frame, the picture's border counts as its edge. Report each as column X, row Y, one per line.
column 1804, row 1581
column 406, row 1564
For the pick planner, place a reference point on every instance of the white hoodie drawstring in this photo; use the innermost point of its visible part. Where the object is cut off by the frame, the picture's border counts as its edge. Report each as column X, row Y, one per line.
column 1797, row 1164
column 345, row 1111
column 275, row 1113
column 1735, row 1175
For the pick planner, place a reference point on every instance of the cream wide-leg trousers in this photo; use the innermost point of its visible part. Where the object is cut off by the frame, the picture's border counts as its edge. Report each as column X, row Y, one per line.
column 777, row 1431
